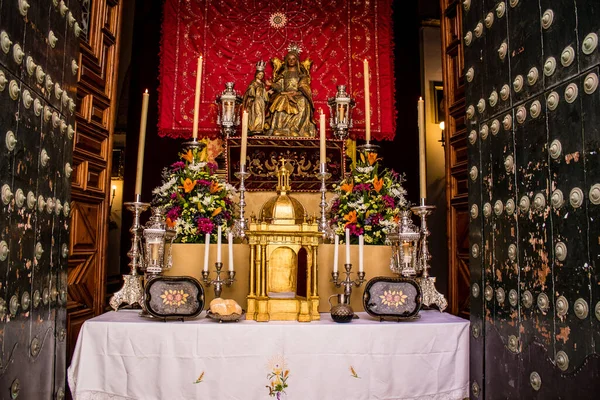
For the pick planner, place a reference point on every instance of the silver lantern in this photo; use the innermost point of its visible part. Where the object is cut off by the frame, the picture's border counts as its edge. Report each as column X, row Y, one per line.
column 404, row 241
column 229, row 110
column 340, row 108
column 158, row 240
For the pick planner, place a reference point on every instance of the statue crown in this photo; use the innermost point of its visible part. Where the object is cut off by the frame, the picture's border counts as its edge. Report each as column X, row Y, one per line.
column 260, row 66
column 294, row 48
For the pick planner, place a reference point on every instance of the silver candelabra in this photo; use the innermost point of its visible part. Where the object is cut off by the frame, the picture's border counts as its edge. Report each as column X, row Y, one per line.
column 348, row 283
column 430, row 293
column 132, row 291
column 218, row 282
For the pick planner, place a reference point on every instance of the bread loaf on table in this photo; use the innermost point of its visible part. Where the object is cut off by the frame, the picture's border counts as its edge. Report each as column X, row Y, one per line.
column 225, row 306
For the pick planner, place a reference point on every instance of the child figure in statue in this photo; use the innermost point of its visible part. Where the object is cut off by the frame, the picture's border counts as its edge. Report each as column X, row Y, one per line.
column 255, row 101
column 291, row 110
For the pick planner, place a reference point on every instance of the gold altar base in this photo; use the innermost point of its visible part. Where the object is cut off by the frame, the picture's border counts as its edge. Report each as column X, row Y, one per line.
column 265, row 309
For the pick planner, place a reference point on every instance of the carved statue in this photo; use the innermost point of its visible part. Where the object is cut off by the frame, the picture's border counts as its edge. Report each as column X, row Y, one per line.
column 291, row 108
column 255, row 100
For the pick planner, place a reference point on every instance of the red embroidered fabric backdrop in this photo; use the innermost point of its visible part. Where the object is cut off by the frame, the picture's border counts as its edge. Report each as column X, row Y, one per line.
column 233, row 35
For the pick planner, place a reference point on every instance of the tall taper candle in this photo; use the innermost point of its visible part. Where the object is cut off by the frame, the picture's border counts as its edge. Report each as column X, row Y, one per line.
column 141, row 144
column 422, row 162
column 197, row 98
column 335, row 253
column 219, row 244
column 230, row 247
column 347, row 246
column 361, row 260
column 367, row 103
column 244, row 138
column 322, row 138
column 206, row 249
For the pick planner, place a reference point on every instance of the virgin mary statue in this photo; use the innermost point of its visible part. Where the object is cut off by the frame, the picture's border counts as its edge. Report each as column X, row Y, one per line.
column 291, row 109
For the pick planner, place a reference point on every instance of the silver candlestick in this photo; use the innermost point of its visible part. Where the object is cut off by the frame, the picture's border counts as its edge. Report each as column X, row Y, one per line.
column 218, row 282
column 241, row 224
column 348, row 283
column 324, row 227
column 193, row 144
column 132, row 291
column 430, row 293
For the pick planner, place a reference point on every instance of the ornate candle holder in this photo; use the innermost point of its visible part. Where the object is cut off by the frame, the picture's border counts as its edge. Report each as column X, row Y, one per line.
column 324, row 227
column 218, row 282
column 430, row 293
column 132, row 291
column 348, row 283
column 241, row 224
column 193, row 144
column 368, row 148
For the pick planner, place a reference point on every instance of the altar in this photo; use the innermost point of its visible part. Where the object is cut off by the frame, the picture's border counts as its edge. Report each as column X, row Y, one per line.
column 120, row 355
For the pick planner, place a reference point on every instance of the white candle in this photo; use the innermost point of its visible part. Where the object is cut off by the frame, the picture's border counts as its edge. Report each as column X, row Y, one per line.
column 197, row 98
column 422, row 162
column 230, row 246
column 367, row 102
column 335, row 253
column 219, row 244
column 322, row 138
column 361, row 245
column 244, row 137
column 347, row 246
column 141, row 143
column 206, row 247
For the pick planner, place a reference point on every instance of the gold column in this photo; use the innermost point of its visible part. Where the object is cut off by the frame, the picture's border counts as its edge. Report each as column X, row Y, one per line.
column 252, row 271
column 258, row 269
column 314, row 291
column 263, row 266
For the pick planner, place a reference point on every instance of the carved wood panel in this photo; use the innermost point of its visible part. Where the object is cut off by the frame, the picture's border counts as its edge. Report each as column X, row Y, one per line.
column 96, row 95
column 456, row 154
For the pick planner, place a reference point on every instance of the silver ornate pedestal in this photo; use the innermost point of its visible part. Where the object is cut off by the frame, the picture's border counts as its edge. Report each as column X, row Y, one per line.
column 430, row 293
column 241, row 224
column 324, row 227
column 132, row 291
column 218, row 282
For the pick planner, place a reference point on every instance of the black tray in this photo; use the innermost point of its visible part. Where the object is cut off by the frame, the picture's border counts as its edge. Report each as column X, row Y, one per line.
column 393, row 298
column 174, row 297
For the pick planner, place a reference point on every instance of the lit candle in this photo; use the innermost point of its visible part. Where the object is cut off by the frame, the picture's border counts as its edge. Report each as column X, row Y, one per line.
column 141, row 144
column 347, row 246
column 230, row 246
column 361, row 245
column 219, row 244
column 154, row 247
column 335, row 253
column 322, row 137
column 206, row 247
column 367, row 103
column 244, row 137
column 197, row 98
column 422, row 165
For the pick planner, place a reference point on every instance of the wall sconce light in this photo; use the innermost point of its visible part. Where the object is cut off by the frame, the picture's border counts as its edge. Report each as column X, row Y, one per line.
column 443, row 139
column 112, row 196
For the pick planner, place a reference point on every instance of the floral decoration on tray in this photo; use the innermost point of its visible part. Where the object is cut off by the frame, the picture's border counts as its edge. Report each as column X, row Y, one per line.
column 196, row 200
column 368, row 201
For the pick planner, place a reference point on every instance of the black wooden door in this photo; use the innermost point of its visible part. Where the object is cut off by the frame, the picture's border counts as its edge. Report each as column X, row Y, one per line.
column 533, row 117
column 38, row 47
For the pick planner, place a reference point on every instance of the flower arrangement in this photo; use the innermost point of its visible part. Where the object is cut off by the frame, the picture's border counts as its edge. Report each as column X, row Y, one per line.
column 277, row 376
column 196, row 201
column 368, row 201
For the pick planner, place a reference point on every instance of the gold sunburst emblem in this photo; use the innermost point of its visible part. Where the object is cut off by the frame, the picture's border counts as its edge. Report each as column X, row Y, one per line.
column 174, row 297
column 278, row 20
column 393, row 298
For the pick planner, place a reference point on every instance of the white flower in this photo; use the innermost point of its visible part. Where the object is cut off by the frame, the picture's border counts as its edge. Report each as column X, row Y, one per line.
column 207, row 201
column 195, row 167
column 162, row 190
column 365, row 170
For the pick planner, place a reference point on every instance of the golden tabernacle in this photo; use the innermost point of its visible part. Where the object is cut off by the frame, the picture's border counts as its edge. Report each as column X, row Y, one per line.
column 283, row 258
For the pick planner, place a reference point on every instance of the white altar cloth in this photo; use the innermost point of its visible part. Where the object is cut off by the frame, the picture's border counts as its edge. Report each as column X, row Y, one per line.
column 120, row 355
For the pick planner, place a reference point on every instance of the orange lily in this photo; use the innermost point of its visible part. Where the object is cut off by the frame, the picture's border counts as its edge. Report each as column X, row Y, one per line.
column 347, row 187
column 188, row 185
column 170, row 223
column 351, row 217
column 217, row 211
column 372, row 158
column 189, row 157
column 377, row 184
column 214, row 187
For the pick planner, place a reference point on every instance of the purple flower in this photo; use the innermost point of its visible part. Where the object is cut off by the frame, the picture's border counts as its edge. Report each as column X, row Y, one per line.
column 355, row 230
column 174, row 213
column 388, row 200
column 212, row 167
column 178, row 165
column 205, row 225
column 173, row 196
column 203, row 182
column 362, row 187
